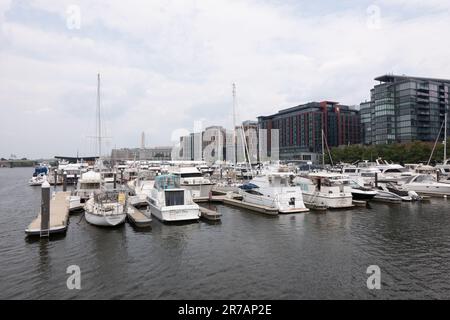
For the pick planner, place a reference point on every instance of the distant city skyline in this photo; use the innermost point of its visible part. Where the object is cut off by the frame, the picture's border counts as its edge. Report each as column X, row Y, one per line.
column 167, row 65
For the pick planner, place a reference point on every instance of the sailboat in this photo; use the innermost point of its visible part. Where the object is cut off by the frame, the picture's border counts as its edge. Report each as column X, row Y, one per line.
column 107, row 208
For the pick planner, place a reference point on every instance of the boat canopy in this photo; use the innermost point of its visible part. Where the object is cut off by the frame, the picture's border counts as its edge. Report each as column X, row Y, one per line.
column 167, row 181
column 39, row 170
column 248, row 186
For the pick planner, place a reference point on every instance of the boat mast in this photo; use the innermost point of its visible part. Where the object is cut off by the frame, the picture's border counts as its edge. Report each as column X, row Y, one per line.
column 435, row 143
column 323, row 151
column 99, row 124
column 234, row 124
column 445, row 135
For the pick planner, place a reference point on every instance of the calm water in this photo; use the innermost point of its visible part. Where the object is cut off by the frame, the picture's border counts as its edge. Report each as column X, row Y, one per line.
column 247, row 256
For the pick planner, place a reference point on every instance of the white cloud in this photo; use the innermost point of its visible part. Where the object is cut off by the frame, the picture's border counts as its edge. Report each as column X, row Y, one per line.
column 166, row 63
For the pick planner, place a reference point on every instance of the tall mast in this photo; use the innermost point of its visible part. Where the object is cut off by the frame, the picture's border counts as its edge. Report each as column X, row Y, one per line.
column 99, row 124
column 234, row 123
column 445, row 135
column 323, row 150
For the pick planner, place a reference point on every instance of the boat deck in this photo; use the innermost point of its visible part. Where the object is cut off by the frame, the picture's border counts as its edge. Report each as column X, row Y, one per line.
column 59, row 216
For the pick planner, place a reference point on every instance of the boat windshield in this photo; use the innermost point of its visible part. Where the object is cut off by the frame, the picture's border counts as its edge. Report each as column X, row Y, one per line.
column 89, row 185
column 425, row 178
column 164, row 182
column 421, row 179
column 192, row 175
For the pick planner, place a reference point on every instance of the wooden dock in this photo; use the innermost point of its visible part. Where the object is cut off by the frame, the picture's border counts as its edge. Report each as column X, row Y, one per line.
column 138, row 218
column 59, row 217
column 209, row 214
column 249, row 206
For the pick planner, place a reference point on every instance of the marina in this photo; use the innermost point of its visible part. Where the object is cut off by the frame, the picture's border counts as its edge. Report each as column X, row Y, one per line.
column 327, row 252
column 224, row 151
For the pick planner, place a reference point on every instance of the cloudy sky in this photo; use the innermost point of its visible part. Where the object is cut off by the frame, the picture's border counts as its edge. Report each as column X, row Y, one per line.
column 168, row 63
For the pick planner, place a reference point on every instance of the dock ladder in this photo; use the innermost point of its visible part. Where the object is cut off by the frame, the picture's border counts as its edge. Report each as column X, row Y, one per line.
column 45, row 233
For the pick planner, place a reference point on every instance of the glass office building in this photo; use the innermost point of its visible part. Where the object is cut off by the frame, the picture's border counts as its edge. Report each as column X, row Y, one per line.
column 300, row 128
column 404, row 109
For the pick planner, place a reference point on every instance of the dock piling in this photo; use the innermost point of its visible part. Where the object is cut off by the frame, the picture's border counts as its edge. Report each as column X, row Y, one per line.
column 45, row 209
column 115, row 180
column 56, row 178
column 65, row 181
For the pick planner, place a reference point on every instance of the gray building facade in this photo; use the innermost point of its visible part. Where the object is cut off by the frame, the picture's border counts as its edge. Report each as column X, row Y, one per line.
column 404, row 109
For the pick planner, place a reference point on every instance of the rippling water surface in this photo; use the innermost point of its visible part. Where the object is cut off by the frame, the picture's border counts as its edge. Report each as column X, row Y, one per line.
column 246, row 256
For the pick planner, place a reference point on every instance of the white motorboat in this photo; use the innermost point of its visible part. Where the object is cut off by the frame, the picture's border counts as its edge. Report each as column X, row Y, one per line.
column 37, row 180
column 427, row 185
column 142, row 189
column 360, row 192
column 89, row 182
column 192, row 179
column 391, row 172
column 205, row 169
column 106, row 208
column 108, row 177
column 171, row 203
column 324, row 189
column 274, row 190
column 73, row 171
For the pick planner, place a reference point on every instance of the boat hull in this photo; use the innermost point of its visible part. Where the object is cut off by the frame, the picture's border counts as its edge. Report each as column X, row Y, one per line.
column 202, row 190
column 176, row 213
column 284, row 203
column 105, row 220
column 363, row 196
column 441, row 190
column 328, row 201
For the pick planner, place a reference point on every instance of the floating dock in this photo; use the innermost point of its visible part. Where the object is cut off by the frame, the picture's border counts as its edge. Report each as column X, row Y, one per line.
column 59, row 217
column 240, row 204
column 209, row 214
column 138, row 218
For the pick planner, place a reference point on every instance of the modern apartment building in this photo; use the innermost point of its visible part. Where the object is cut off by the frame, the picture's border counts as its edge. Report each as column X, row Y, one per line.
column 300, row 128
column 404, row 109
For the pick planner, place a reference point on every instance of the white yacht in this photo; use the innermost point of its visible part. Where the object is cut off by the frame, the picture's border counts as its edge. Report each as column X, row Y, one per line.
column 170, row 203
column 205, row 169
column 108, row 176
column 192, row 179
column 426, row 184
column 359, row 191
column 274, row 190
column 89, row 182
column 142, row 189
column 73, row 171
column 39, row 175
column 391, row 172
column 37, row 180
column 324, row 189
column 106, row 208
